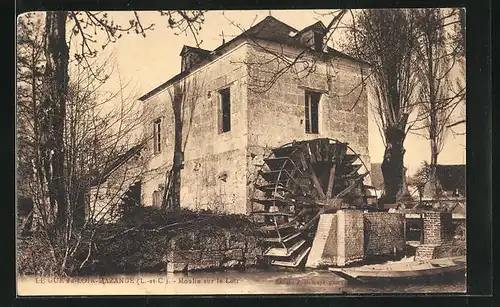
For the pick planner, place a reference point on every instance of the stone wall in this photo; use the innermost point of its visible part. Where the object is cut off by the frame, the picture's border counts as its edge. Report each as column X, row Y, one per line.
column 324, row 250
column 214, row 174
column 213, row 249
column 276, row 116
column 349, row 236
column 384, row 233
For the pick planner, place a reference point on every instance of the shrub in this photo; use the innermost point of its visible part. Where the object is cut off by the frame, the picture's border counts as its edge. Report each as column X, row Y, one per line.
column 137, row 243
column 141, row 243
column 34, row 256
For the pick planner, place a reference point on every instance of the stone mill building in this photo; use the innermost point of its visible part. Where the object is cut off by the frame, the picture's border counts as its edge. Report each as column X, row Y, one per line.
column 232, row 120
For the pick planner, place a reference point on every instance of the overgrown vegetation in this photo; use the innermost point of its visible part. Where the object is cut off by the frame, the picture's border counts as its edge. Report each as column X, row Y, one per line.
column 136, row 243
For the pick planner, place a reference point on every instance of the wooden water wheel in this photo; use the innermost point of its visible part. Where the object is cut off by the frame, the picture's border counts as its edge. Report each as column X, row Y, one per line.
column 297, row 183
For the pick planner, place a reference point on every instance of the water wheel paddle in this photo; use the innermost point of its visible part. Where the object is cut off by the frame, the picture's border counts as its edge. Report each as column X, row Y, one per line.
column 297, row 183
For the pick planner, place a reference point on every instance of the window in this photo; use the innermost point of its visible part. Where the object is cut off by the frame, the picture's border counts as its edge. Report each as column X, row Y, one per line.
column 157, row 135
column 311, row 111
column 225, row 111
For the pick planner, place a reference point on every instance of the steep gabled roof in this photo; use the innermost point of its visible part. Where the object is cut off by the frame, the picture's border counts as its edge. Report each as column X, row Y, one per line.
column 271, row 29
column 116, row 163
column 268, row 29
column 318, row 26
column 451, row 177
column 198, row 51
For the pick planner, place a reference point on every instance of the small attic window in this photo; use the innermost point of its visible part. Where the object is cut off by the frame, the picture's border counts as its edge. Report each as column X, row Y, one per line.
column 318, row 41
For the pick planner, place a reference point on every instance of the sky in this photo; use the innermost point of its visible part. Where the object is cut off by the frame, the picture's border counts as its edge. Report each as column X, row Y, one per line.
column 146, row 62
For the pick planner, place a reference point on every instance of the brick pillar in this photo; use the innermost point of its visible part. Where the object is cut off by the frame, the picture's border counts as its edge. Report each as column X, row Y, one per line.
column 436, row 227
column 350, row 237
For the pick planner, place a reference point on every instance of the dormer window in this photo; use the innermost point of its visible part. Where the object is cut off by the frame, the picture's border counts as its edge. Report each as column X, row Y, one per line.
column 191, row 56
column 318, row 41
column 313, row 36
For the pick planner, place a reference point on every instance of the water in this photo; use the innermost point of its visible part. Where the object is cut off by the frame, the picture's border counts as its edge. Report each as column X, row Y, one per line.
column 315, row 281
column 249, row 282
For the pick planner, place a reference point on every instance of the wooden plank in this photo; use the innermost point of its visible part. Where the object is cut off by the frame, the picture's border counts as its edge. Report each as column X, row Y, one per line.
column 283, row 239
column 293, row 263
column 331, row 180
column 312, row 158
column 284, row 252
column 317, row 185
column 318, row 154
column 273, row 227
column 273, row 213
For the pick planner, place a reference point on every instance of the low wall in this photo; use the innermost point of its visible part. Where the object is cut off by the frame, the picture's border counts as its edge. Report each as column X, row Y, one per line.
column 349, row 236
column 216, row 249
column 384, row 234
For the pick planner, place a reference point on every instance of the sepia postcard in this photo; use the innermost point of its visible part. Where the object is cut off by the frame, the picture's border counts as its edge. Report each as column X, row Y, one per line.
column 241, row 152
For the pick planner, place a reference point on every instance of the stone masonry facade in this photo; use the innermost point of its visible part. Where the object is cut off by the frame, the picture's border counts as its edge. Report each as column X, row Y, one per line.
column 220, row 168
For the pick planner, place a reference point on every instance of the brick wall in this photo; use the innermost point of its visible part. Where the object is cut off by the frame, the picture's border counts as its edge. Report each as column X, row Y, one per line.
column 384, row 232
column 350, row 237
column 437, row 227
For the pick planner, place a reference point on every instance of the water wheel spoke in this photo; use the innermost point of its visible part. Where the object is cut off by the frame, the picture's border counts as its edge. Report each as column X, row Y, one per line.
column 317, row 185
column 353, row 184
column 331, row 180
column 304, row 180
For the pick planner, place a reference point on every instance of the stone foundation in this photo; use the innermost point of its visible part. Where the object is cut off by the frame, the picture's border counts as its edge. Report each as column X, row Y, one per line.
column 350, row 236
column 222, row 249
column 425, row 251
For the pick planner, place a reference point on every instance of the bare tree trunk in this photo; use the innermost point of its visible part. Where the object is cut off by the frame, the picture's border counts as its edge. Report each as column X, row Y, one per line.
column 54, row 108
column 176, row 176
column 431, row 186
column 172, row 194
column 392, row 165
